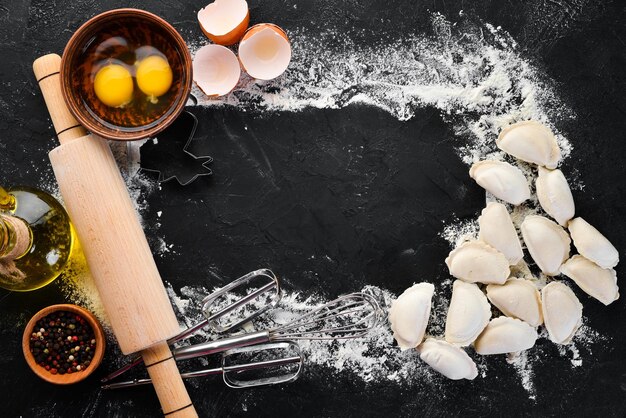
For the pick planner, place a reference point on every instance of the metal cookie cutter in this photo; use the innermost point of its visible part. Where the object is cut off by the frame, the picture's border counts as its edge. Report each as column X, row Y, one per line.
column 228, row 308
column 163, row 155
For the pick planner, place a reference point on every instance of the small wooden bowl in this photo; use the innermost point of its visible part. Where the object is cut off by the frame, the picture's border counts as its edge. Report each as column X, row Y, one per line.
column 64, row 379
column 138, row 27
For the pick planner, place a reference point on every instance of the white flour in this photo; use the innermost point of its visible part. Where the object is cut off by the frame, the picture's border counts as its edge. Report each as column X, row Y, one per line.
column 374, row 358
column 475, row 76
column 478, row 80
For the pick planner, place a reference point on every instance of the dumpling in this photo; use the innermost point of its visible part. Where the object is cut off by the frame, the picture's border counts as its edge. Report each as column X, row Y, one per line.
column 468, row 314
column 530, row 141
column 409, row 314
column 592, row 244
column 497, row 230
column 447, row 359
column 562, row 312
column 505, row 335
column 547, row 243
column 502, row 180
column 475, row 261
column 517, row 298
column 592, row 279
column 555, row 195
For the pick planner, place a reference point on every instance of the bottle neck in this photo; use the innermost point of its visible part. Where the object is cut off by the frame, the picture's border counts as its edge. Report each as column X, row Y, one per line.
column 15, row 237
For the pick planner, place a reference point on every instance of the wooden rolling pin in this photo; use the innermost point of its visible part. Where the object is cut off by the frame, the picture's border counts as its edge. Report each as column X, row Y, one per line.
column 114, row 243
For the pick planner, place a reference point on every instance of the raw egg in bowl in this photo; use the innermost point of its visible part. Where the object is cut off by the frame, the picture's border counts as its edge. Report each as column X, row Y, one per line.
column 126, row 74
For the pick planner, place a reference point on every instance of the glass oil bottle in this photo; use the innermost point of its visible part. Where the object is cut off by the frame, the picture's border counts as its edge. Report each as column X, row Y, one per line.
column 36, row 238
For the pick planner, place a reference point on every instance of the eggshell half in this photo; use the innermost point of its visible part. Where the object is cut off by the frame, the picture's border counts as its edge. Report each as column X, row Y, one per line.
column 224, row 21
column 265, row 51
column 216, row 70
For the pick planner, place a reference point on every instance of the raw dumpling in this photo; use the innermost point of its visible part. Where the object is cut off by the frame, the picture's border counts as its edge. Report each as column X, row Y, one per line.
column 468, row 314
column 505, row 335
column 497, row 230
column 530, row 141
column 592, row 244
column 502, row 180
column 555, row 195
column 475, row 261
column 592, row 279
column 447, row 359
column 547, row 243
column 562, row 312
column 409, row 314
column 517, row 298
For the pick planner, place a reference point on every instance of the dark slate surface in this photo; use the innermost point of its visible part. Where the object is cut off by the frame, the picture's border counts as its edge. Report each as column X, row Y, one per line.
column 282, row 191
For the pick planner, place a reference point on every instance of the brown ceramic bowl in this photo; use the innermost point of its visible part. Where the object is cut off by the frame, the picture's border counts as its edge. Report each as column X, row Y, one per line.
column 64, row 379
column 136, row 28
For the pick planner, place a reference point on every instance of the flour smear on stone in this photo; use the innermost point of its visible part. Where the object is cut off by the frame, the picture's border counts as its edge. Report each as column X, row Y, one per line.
column 478, row 79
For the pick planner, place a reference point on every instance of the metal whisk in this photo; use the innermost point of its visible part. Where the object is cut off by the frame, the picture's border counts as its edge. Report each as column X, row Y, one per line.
column 261, row 284
column 245, row 367
column 348, row 316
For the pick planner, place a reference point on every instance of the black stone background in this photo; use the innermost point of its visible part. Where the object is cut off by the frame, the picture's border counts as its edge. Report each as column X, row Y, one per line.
column 285, row 189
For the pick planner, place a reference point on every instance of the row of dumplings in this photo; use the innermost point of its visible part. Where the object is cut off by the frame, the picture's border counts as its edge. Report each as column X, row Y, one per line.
column 487, row 262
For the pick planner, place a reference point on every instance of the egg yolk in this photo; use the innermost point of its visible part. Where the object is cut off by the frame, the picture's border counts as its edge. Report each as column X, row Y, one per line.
column 114, row 85
column 154, row 76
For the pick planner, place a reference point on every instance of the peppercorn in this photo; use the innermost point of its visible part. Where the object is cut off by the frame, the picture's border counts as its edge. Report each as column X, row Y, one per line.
column 57, row 343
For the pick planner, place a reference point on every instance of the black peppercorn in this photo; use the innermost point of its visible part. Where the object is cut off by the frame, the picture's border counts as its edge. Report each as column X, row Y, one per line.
column 63, row 342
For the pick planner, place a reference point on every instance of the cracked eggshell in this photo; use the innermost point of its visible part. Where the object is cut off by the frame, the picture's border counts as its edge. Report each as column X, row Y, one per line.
column 265, row 51
column 468, row 313
column 447, row 359
column 502, row 180
column 517, row 298
column 597, row 282
column 475, row 261
column 530, row 141
column 547, row 243
column 592, row 244
column 562, row 312
column 216, row 70
column 505, row 335
column 409, row 314
column 224, row 21
column 497, row 230
column 555, row 196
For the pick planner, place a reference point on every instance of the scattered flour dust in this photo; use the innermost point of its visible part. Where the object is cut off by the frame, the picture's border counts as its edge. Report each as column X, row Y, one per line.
column 373, row 358
column 473, row 73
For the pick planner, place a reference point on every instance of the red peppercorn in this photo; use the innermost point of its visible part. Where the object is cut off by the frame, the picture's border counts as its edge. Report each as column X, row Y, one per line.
column 53, row 371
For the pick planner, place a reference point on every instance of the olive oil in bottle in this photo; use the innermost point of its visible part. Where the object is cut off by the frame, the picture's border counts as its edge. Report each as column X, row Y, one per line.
column 36, row 239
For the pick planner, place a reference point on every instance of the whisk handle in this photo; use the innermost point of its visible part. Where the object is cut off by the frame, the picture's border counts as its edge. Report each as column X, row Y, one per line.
column 219, row 346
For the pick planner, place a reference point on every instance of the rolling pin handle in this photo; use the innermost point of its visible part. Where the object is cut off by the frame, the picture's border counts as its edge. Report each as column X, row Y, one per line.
column 48, row 73
column 167, row 382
